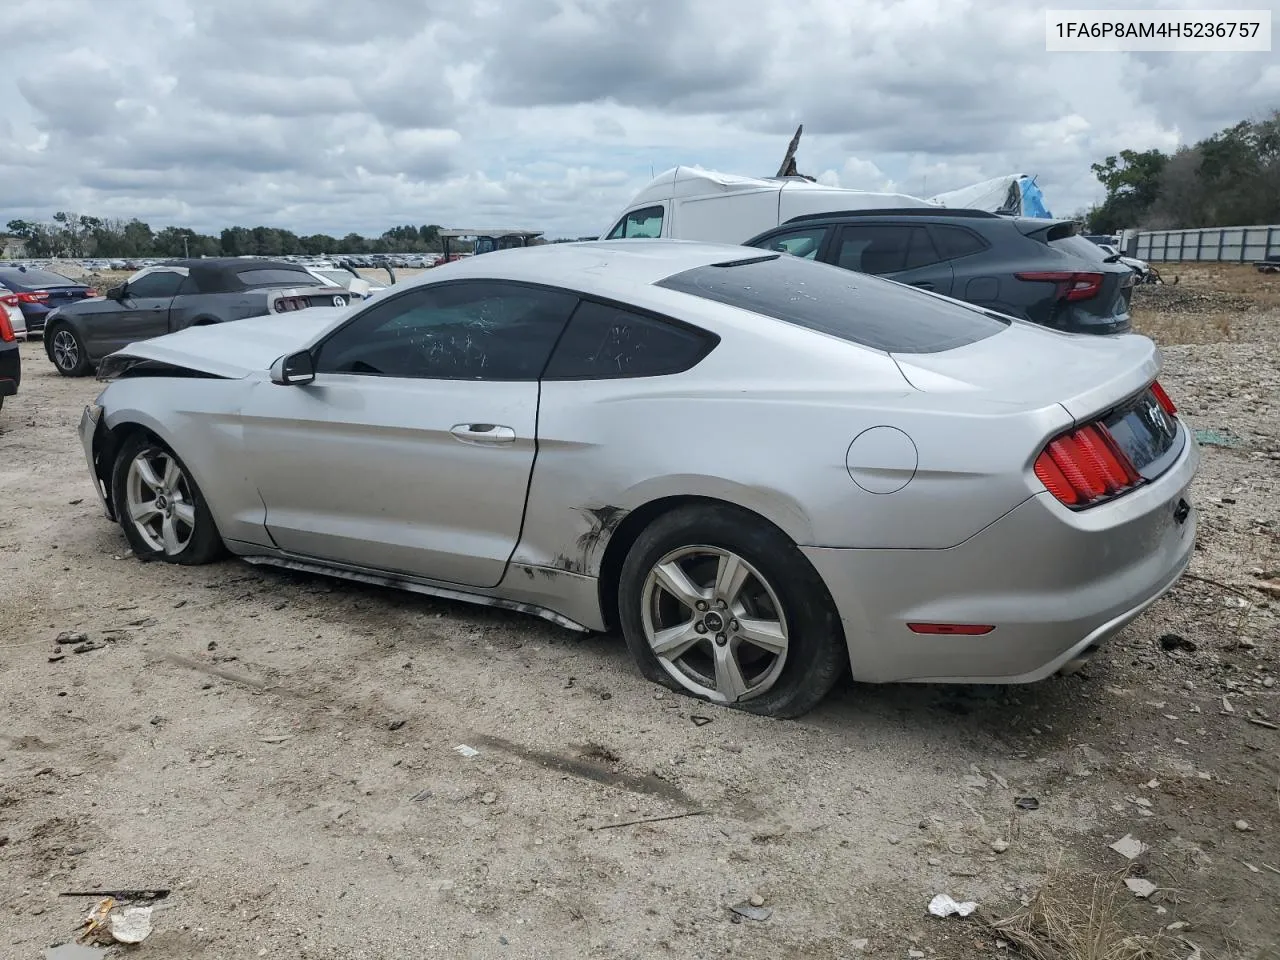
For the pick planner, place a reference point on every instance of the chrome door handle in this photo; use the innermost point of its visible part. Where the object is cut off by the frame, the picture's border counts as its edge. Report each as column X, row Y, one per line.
column 489, row 434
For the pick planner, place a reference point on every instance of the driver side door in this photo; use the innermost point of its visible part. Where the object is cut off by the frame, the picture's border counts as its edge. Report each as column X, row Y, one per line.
column 142, row 313
column 412, row 449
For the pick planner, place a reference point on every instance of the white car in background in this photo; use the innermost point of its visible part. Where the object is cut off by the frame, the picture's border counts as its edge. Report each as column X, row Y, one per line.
column 9, row 307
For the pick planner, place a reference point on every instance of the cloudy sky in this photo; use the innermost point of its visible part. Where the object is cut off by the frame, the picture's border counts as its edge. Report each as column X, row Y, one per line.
column 336, row 115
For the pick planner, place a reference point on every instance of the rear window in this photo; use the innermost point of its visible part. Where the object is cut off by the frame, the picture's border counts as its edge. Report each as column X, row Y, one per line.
column 858, row 308
column 36, row 278
column 1079, row 246
column 277, row 278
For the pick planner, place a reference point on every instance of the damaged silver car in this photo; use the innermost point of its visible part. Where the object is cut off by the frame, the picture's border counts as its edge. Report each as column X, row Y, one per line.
column 763, row 471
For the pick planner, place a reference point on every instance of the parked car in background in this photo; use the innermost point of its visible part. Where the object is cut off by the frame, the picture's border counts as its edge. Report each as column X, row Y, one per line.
column 178, row 294
column 10, row 359
column 39, row 292
column 765, row 471
column 1141, row 269
column 1037, row 270
column 11, row 310
column 347, row 280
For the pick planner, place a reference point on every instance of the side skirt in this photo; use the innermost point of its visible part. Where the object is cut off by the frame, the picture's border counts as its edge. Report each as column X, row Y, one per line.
column 400, row 582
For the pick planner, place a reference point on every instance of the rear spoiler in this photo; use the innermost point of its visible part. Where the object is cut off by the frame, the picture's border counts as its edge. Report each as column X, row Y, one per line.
column 1047, row 230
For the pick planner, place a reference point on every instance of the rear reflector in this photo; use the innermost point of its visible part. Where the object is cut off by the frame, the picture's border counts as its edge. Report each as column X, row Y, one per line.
column 6, row 328
column 1070, row 285
column 952, row 629
column 1163, row 398
column 1085, row 466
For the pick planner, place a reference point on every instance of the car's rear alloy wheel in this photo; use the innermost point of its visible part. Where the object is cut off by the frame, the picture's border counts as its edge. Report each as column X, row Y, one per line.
column 714, row 623
column 718, row 603
column 68, row 353
column 160, row 507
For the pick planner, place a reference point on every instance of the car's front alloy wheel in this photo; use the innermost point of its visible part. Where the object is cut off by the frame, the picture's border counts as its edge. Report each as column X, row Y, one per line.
column 714, row 623
column 68, row 353
column 160, row 507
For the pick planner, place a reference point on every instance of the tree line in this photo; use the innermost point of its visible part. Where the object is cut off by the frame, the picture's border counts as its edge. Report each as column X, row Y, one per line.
column 76, row 235
column 1231, row 179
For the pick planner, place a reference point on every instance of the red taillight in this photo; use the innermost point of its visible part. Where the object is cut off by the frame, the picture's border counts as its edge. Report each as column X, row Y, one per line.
column 1070, row 284
column 952, row 629
column 10, row 300
column 1085, row 466
column 1162, row 398
column 6, row 328
column 91, row 292
column 38, row 296
column 285, row 304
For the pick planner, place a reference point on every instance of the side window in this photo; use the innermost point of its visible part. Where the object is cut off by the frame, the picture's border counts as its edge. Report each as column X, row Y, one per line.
column 885, row 248
column 799, row 243
column 955, row 242
column 474, row 330
column 646, row 224
column 161, row 283
column 187, row 287
column 605, row 342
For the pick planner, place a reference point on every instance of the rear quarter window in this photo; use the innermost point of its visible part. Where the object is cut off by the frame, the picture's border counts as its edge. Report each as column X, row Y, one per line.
column 607, row 342
column 861, row 309
column 277, row 278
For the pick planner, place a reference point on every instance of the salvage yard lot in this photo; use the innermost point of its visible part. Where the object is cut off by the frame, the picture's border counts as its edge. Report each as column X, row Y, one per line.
column 279, row 749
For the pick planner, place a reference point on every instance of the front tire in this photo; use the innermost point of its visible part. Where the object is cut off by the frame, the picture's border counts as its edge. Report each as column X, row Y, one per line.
column 67, row 351
column 718, row 604
column 163, row 513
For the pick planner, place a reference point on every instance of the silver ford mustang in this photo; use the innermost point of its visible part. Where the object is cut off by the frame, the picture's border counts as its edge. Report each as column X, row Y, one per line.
column 762, row 470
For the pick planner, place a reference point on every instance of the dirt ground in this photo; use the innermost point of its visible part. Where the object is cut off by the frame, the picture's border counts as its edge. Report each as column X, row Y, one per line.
column 281, row 751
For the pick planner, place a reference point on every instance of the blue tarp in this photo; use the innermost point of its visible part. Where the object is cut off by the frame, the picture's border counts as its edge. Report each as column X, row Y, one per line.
column 1032, row 199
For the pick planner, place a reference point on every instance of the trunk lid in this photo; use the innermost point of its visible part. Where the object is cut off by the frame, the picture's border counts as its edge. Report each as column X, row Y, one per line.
column 237, row 348
column 1028, row 366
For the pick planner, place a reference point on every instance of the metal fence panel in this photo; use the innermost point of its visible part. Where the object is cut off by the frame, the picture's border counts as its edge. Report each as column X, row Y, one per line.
column 1226, row 244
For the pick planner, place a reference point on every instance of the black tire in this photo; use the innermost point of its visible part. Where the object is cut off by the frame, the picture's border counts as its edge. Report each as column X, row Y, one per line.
column 73, row 359
column 816, row 655
column 203, row 543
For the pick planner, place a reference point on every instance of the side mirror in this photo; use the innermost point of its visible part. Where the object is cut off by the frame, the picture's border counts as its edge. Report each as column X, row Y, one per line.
column 117, row 293
column 296, row 368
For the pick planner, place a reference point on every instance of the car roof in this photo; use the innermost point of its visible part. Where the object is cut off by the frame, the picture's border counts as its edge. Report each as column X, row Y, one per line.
column 222, row 274
column 591, row 263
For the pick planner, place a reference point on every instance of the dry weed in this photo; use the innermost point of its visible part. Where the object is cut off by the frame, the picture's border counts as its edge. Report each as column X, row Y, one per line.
column 1078, row 921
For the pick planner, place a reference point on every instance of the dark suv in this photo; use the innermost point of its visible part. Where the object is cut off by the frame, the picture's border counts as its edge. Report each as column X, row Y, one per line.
column 1039, row 270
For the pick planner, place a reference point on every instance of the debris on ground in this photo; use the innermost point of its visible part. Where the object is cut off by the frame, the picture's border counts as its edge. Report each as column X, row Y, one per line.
column 700, row 721
column 1141, row 887
column 74, row 951
column 944, row 905
column 751, row 912
column 999, row 846
column 466, row 751
column 131, row 925
column 1171, row 642
column 1243, row 826
column 756, row 900
column 1027, row 803
column 1218, row 438
column 1129, row 847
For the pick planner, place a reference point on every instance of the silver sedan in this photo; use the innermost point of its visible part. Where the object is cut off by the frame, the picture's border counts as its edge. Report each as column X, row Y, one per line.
column 763, row 471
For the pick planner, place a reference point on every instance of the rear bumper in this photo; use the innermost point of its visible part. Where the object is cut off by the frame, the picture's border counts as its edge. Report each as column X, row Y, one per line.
column 1055, row 583
column 10, row 370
